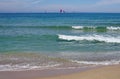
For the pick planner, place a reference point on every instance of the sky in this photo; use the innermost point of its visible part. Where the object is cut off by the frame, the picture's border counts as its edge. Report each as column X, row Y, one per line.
column 14, row 6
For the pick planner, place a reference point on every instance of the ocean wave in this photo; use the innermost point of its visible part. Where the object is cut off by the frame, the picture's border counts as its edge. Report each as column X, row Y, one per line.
column 77, row 27
column 113, row 28
column 112, row 62
column 40, row 27
column 100, row 38
column 95, row 28
column 9, row 67
column 68, row 27
column 85, row 28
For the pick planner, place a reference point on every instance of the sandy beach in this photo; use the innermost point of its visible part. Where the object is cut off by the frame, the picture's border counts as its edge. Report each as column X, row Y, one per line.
column 106, row 72
column 109, row 72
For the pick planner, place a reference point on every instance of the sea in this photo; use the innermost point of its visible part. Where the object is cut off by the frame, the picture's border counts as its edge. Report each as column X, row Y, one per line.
column 37, row 41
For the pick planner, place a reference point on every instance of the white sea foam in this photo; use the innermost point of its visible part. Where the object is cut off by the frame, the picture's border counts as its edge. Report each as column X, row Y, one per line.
column 77, row 27
column 112, row 62
column 107, row 28
column 108, row 39
column 9, row 67
column 113, row 28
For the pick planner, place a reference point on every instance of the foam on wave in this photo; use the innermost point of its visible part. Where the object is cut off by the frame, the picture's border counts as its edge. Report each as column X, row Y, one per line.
column 112, row 62
column 95, row 28
column 100, row 38
column 113, row 28
column 9, row 67
column 77, row 27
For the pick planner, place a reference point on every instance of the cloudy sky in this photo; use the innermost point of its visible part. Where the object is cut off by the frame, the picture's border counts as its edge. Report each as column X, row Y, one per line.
column 56, row 5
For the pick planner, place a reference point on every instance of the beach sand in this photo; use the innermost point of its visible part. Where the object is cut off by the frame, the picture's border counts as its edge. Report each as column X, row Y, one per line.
column 106, row 72
column 109, row 72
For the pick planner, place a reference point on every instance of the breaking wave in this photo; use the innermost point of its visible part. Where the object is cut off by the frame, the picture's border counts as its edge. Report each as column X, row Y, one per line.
column 95, row 28
column 113, row 28
column 98, row 62
column 101, row 38
column 86, row 28
column 9, row 67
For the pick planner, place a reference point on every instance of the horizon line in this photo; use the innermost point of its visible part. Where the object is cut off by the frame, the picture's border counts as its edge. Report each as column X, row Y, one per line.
column 59, row 12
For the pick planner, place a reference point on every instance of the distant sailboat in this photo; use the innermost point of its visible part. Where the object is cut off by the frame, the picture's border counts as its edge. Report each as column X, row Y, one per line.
column 62, row 11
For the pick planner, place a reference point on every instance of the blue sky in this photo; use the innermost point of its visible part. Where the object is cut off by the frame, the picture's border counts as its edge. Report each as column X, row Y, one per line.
column 55, row 5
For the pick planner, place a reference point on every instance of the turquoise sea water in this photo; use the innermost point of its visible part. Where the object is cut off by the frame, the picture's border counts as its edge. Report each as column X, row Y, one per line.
column 45, row 40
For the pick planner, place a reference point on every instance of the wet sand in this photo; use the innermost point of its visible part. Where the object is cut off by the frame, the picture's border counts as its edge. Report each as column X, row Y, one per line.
column 33, row 74
column 106, row 72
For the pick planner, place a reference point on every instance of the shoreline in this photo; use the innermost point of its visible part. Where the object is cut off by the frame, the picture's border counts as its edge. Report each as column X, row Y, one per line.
column 98, row 72
column 46, row 73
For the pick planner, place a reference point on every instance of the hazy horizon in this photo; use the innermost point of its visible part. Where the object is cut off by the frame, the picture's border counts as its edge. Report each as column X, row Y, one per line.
column 70, row 6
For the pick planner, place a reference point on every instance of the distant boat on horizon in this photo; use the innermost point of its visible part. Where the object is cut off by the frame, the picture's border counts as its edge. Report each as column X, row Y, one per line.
column 62, row 11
